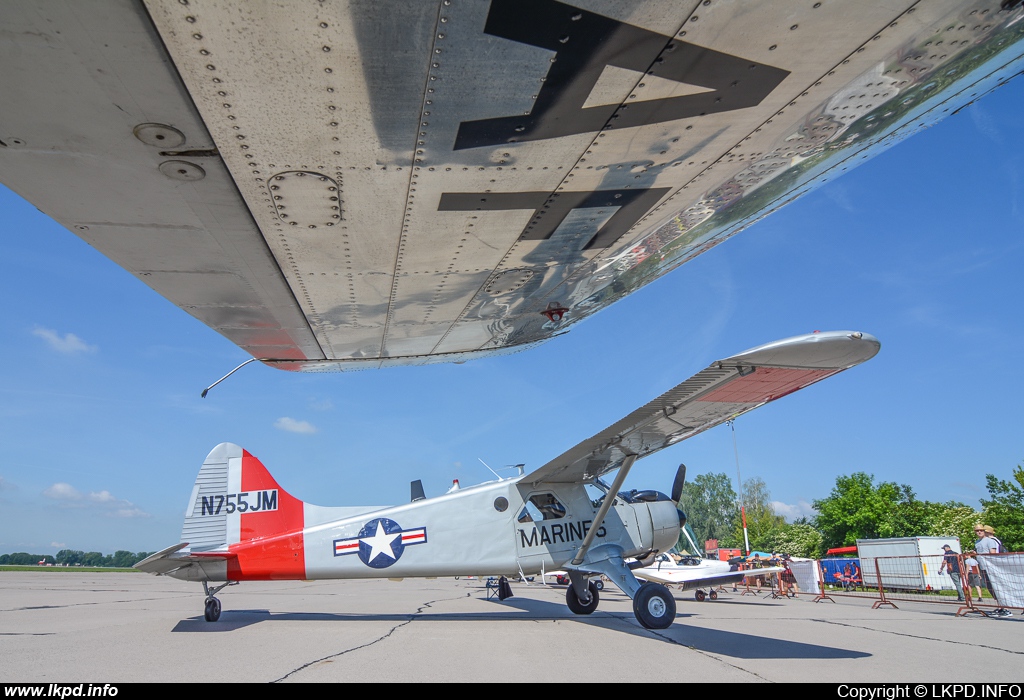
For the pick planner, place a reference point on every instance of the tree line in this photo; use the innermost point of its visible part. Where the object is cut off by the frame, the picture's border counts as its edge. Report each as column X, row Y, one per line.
column 856, row 508
column 74, row 557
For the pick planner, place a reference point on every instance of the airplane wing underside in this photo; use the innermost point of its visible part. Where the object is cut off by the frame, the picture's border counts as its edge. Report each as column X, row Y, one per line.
column 342, row 185
column 723, row 391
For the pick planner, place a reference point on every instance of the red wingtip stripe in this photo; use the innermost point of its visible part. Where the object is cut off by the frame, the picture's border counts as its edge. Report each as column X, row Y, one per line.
column 766, row 384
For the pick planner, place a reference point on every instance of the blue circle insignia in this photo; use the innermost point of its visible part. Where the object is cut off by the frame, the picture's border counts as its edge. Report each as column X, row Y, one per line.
column 380, row 543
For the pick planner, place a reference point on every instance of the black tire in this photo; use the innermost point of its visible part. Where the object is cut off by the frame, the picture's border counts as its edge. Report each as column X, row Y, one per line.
column 713, row 595
column 654, row 606
column 600, row 584
column 212, row 611
column 576, row 605
column 699, row 595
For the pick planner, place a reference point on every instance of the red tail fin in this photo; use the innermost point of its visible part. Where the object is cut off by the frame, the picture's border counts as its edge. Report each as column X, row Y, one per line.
column 238, row 506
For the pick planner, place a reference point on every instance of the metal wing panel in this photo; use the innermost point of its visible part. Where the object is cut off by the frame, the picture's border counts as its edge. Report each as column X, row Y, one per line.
column 80, row 84
column 611, row 141
column 719, row 393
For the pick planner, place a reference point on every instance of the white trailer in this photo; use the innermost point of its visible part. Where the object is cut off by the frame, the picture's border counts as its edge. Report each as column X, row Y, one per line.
column 906, row 563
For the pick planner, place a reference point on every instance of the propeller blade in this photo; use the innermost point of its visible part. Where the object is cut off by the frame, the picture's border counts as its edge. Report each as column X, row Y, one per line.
column 677, row 485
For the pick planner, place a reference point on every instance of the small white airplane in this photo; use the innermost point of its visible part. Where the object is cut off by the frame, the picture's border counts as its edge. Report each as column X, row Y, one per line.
column 693, row 572
column 240, row 525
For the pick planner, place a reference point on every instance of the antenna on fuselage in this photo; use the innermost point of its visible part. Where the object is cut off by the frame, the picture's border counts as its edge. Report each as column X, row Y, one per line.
column 489, row 469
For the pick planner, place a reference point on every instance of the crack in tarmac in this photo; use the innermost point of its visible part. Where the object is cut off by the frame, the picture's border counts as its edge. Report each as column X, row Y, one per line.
column 94, row 602
column 917, row 636
column 27, row 634
column 412, row 617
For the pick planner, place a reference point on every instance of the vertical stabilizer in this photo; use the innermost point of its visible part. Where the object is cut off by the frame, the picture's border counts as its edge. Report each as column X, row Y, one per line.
column 237, row 506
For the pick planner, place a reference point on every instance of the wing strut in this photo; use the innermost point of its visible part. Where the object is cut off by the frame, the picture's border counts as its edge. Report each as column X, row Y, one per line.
column 609, row 498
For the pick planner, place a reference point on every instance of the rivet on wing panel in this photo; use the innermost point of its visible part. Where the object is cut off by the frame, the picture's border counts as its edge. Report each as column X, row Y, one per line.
column 303, row 198
column 508, row 281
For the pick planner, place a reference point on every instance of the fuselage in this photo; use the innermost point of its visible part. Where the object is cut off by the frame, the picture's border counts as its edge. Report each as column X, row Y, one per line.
column 497, row 528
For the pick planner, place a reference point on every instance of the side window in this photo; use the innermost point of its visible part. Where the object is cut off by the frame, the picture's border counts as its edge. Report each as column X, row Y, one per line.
column 541, row 506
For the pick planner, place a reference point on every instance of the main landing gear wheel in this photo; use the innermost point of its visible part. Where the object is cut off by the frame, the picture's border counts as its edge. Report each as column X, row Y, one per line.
column 212, row 612
column 700, row 595
column 578, row 606
column 713, row 595
column 654, row 606
column 600, row 584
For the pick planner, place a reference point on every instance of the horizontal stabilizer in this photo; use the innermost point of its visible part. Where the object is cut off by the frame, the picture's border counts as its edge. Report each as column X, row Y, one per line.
column 172, row 559
column 726, row 389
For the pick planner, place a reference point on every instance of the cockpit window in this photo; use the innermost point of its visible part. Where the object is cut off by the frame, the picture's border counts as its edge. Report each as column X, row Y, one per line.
column 541, row 506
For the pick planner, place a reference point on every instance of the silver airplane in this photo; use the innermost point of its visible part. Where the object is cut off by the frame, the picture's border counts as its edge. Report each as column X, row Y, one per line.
column 350, row 184
column 240, row 525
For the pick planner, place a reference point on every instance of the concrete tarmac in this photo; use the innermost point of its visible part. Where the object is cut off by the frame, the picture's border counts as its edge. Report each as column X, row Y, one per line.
column 120, row 627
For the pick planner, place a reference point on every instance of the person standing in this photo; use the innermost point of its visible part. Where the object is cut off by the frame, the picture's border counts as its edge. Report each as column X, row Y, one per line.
column 988, row 545
column 787, row 578
column 973, row 575
column 951, row 565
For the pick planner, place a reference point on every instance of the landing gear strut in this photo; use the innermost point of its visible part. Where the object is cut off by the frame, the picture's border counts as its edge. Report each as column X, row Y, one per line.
column 212, row 608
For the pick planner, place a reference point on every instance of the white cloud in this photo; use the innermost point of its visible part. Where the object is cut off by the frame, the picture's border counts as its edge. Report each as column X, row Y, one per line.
column 802, row 509
column 102, row 502
column 69, row 344
column 295, row 426
column 59, row 545
column 63, row 492
column 129, row 511
column 321, row 404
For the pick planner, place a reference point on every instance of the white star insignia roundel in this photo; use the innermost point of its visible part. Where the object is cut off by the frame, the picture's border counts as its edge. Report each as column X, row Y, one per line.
column 380, row 542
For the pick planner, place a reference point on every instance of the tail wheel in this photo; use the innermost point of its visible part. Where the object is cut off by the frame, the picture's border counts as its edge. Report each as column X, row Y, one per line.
column 700, row 595
column 212, row 611
column 654, row 606
column 576, row 605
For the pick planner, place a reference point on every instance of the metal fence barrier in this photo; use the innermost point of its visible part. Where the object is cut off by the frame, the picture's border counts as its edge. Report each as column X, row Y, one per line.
column 994, row 586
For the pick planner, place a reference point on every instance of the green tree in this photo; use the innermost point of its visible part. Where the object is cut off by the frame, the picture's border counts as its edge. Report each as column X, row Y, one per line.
column 858, row 509
column 953, row 519
column 70, row 557
column 93, row 559
column 709, row 502
column 762, row 521
column 123, row 558
column 800, row 539
column 1004, row 511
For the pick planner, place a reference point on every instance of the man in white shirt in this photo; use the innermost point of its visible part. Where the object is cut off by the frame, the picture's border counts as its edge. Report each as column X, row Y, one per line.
column 988, row 545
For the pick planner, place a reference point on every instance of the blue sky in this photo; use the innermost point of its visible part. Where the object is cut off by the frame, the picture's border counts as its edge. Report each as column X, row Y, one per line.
column 102, row 428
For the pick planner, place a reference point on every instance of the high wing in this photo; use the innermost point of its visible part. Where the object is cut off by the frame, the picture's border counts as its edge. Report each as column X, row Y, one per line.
column 724, row 390
column 352, row 184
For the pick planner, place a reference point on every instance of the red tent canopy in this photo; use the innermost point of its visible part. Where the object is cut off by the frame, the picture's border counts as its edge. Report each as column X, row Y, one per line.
column 842, row 550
